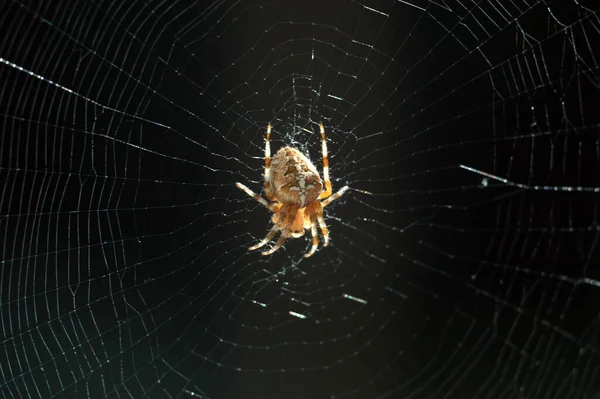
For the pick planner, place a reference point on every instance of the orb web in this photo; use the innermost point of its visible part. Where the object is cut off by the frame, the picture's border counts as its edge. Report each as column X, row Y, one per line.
column 463, row 260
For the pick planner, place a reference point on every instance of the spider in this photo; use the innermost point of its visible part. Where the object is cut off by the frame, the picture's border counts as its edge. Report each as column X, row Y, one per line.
column 295, row 190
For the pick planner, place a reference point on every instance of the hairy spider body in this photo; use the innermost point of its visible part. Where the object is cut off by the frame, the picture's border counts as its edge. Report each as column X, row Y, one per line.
column 294, row 186
column 294, row 179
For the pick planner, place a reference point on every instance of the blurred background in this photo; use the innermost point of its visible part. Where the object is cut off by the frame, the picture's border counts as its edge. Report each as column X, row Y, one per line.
column 464, row 258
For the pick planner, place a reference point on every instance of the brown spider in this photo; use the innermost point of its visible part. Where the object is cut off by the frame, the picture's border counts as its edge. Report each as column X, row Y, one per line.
column 294, row 187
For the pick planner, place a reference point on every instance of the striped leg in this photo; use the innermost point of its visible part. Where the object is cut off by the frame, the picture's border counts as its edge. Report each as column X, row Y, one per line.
column 328, row 189
column 275, row 247
column 268, row 192
column 315, row 238
column 265, row 240
column 324, row 230
column 335, row 196
column 257, row 197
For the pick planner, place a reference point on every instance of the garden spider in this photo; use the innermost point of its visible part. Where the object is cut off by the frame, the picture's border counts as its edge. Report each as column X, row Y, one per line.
column 295, row 190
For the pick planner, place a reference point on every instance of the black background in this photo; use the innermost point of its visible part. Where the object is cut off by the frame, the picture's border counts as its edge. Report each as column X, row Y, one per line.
column 125, row 270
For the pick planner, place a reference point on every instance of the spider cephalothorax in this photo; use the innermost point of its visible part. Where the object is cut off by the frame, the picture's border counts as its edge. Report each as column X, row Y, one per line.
column 295, row 190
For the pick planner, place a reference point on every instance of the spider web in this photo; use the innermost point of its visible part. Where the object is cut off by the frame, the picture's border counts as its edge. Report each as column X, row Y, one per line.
column 463, row 260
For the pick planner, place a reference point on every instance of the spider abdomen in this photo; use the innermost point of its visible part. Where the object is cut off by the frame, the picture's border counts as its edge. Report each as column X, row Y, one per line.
column 294, row 179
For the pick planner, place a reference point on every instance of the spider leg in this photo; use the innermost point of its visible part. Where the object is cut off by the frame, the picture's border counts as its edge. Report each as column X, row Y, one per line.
column 328, row 189
column 297, row 235
column 265, row 240
column 267, row 186
column 335, row 196
column 275, row 247
column 271, row 207
column 315, row 238
column 324, row 230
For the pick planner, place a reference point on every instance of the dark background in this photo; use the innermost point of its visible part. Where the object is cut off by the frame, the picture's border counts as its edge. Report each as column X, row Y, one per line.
column 125, row 271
